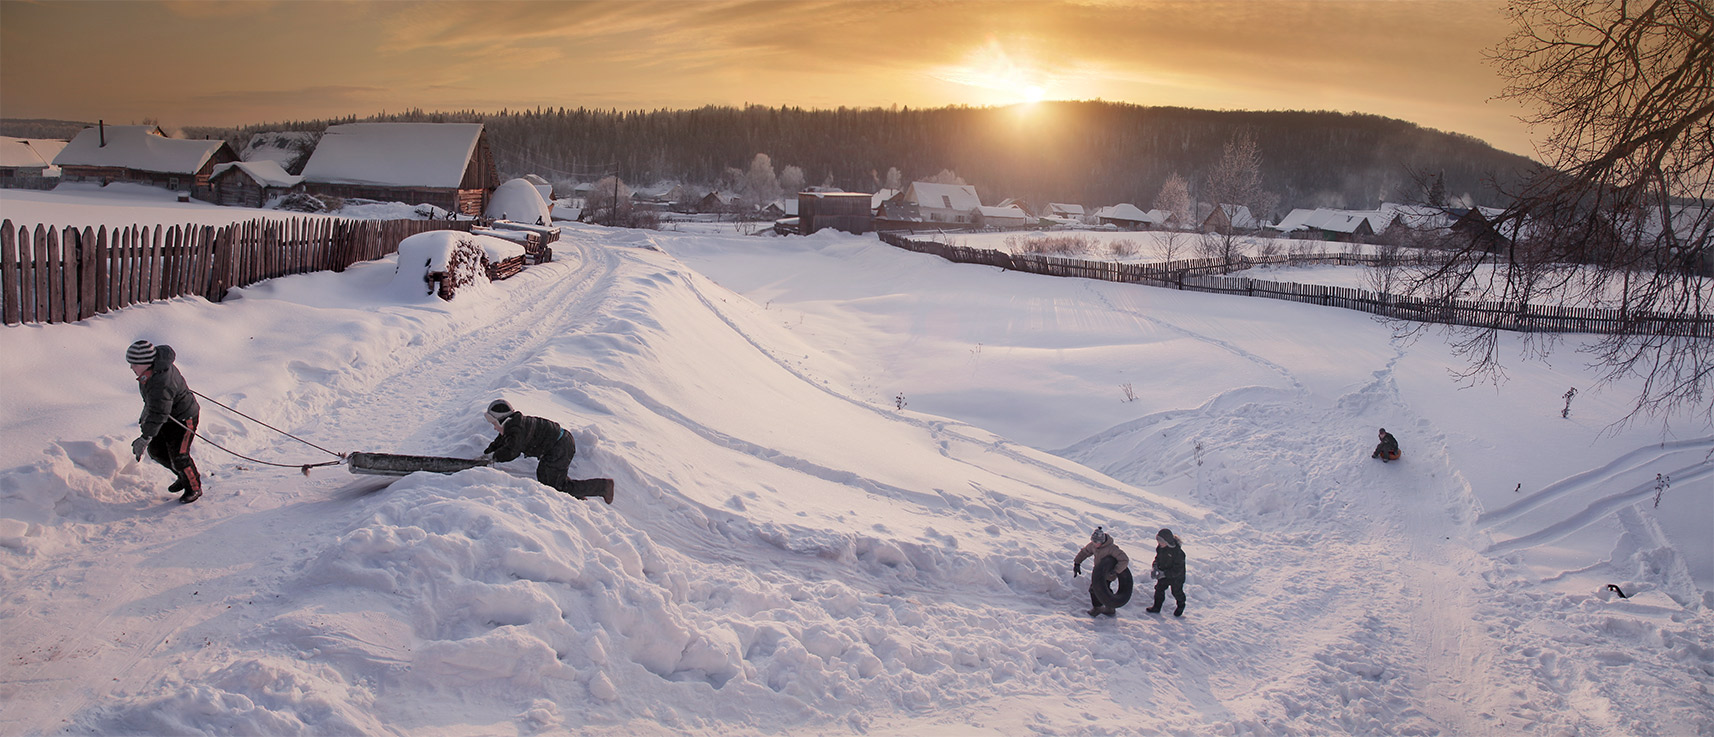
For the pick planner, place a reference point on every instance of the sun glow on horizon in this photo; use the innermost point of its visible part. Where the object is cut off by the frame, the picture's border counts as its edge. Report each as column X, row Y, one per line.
column 1007, row 78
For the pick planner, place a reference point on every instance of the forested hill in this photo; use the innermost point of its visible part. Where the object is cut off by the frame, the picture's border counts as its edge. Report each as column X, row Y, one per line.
column 1092, row 153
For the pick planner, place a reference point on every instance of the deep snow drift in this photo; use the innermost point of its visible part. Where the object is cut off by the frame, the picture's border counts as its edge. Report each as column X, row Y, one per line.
column 793, row 552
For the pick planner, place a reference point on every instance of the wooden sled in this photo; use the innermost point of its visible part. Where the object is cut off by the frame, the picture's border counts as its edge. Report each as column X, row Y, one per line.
column 391, row 464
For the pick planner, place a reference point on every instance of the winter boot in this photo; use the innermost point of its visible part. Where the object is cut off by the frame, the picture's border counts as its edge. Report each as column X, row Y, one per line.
column 1095, row 611
column 1179, row 612
column 177, row 486
column 586, row 488
column 190, row 495
column 1153, row 610
column 1109, row 611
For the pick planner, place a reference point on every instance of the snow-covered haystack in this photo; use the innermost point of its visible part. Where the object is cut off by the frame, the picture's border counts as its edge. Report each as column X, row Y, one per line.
column 446, row 262
column 519, row 201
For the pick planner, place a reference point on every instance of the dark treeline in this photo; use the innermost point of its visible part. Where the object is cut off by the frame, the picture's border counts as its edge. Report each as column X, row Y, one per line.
column 1092, row 153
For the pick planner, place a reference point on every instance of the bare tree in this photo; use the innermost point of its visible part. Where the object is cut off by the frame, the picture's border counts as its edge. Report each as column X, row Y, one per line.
column 1236, row 178
column 1171, row 245
column 1625, row 91
column 609, row 202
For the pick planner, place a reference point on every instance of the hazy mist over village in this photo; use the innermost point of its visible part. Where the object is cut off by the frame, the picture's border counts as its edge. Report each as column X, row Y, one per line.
column 1118, row 367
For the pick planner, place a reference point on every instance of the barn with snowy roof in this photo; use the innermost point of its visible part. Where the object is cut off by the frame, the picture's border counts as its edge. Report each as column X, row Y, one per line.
column 448, row 165
column 143, row 154
column 251, row 183
column 29, row 162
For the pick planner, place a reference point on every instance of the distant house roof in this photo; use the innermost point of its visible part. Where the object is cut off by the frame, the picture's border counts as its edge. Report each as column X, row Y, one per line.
column 266, row 172
column 1009, row 212
column 29, row 153
column 394, row 154
column 1129, row 213
column 139, row 147
column 1333, row 221
column 961, row 197
column 1063, row 209
column 1238, row 216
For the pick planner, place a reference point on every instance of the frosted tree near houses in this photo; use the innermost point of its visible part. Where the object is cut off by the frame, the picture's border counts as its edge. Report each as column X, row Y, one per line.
column 1174, row 198
column 1236, row 178
column 609, row 202
column 1625, row 94
column 760, row 185
column 946, row 176
column 791, row 180
column 895, row 179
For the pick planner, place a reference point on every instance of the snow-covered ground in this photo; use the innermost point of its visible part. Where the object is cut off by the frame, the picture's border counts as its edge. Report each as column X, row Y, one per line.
column 793, row 552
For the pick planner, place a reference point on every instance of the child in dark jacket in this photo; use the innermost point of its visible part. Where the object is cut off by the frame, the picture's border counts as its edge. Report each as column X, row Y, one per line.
column 170, row 414
column 521, row 434
column 1388, row 448
column 1168, row 571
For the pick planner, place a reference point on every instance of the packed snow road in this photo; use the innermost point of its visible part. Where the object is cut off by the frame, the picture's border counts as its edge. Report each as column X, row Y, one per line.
column 791, row 549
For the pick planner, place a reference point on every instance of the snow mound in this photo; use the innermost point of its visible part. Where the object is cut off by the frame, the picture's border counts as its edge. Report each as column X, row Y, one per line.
column 519, row 201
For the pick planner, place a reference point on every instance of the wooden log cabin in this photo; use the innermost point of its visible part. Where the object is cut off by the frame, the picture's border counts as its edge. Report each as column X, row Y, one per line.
column 142, row 154
column 448, row 165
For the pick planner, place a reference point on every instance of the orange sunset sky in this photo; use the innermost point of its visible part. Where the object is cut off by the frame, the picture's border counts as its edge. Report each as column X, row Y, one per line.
column 213, row 62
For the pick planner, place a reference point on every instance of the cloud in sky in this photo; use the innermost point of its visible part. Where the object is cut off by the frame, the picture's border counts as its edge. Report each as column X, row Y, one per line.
column 196, row 63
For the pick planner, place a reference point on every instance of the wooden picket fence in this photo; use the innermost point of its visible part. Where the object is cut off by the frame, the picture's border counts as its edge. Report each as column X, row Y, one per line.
column 1207, row 275
column 56, row 275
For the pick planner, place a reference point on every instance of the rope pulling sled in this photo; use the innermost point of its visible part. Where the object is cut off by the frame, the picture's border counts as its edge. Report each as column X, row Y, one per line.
column 373, row 464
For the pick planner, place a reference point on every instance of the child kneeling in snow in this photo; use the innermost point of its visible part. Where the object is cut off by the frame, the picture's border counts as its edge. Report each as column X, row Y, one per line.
column 521, row 434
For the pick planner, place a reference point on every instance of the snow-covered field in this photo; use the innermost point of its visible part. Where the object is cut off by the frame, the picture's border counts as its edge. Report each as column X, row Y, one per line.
column 792, row 552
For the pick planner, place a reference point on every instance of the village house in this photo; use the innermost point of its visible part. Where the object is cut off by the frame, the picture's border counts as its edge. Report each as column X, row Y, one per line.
column 250, row 183
column 448, row 165
column 28, row 163
column 929, row 203
column 994, row 216
column 142, row 154
column 1063, row 211
column 1131, row 217
column 1327, row 224
column 1228, row 219
column 847, row 211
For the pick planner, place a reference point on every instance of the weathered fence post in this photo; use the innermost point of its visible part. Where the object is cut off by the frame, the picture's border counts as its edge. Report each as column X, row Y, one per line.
column 10, row 312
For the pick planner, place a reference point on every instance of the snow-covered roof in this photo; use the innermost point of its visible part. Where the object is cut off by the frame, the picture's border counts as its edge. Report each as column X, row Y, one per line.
column 1417, row 216
column 290, row 148
column 1239, row 216
column 787, row 205
column 960, row 197
column 1060, row 208
column 1127, row 212
column 140, row 147
column 877, row 198
column 29, row 153
column 1012, row 212
column 394, row 154
column 1333, row 221
column 520, row 201
column 267, row 172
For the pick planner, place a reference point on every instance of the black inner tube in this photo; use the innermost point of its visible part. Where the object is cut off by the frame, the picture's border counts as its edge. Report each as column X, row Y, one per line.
column 1104, row 589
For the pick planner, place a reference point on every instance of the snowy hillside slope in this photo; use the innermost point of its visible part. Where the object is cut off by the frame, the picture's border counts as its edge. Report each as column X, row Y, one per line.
column 792, row 552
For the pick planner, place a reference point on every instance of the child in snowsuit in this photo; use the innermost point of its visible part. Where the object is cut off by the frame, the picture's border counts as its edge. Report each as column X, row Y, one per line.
column 169, row 418
column 1168, row 571
column 1100, row 547
column 1388, row 448
column 521, row 434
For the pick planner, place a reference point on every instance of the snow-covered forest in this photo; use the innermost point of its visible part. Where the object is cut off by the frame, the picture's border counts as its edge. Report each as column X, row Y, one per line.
column 1096, row 153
